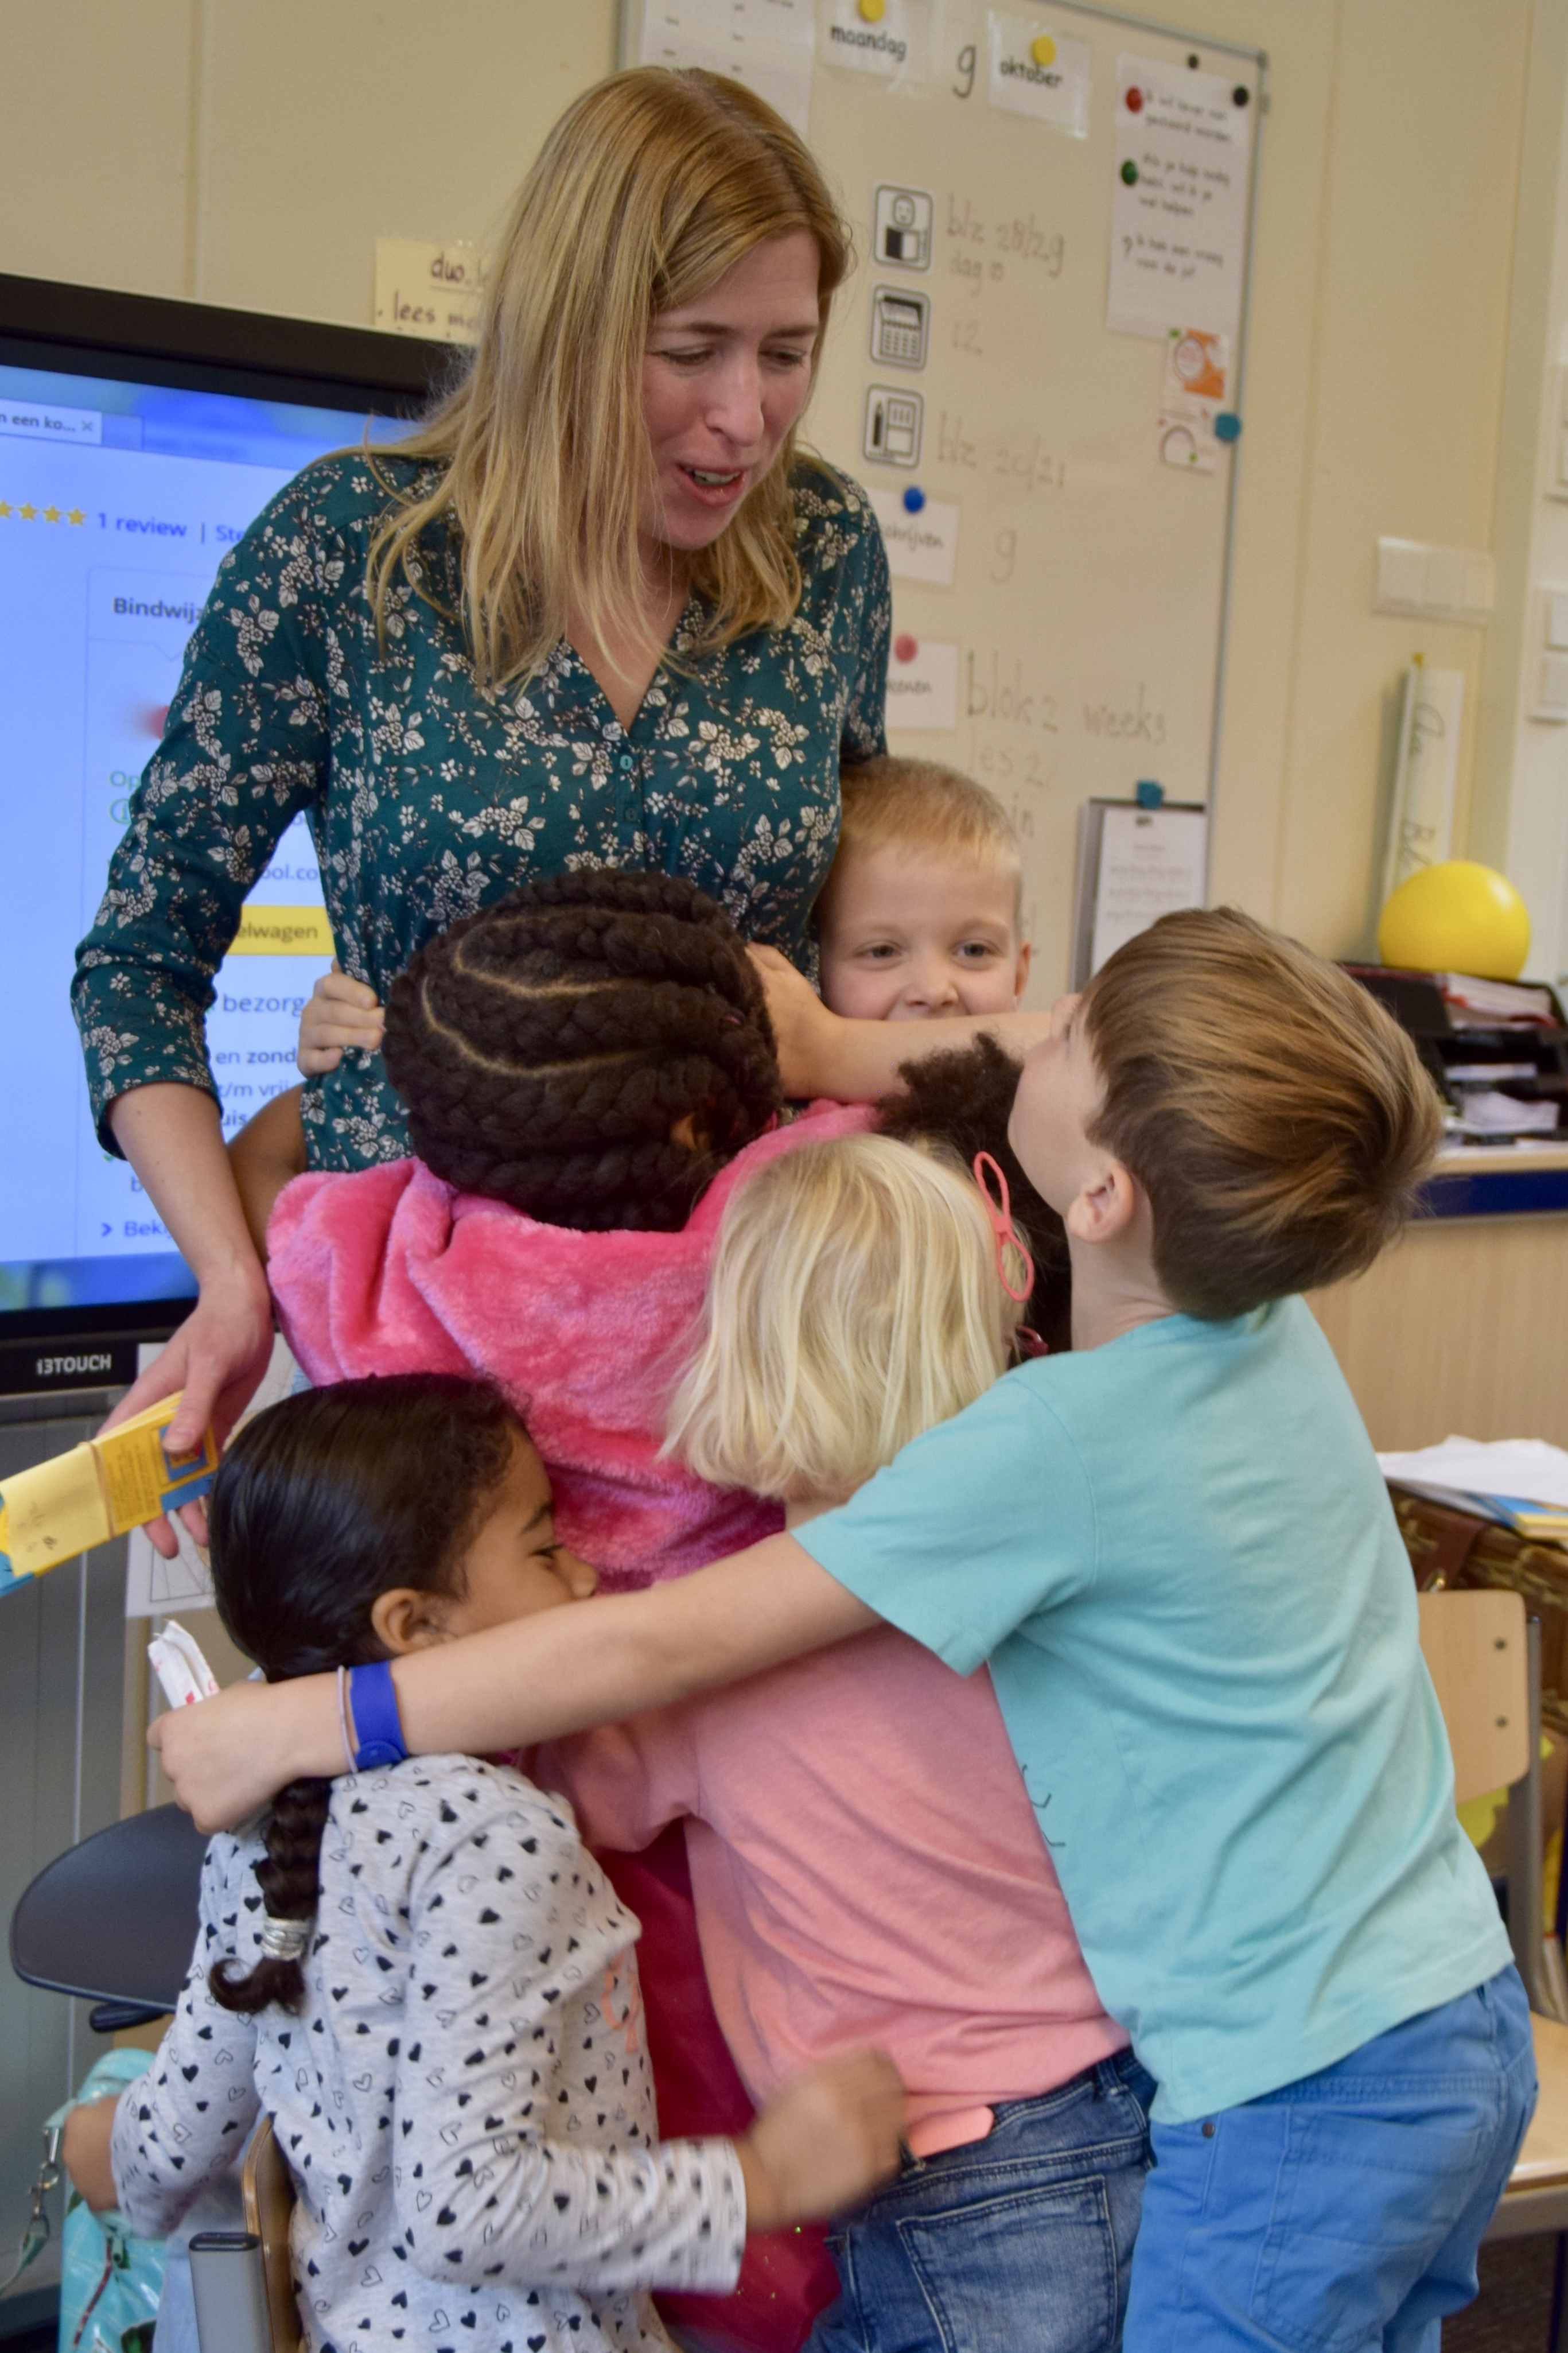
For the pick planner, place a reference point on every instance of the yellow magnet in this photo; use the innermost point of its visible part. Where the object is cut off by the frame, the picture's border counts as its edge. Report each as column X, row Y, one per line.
column 1043, row 49
column 873, row 11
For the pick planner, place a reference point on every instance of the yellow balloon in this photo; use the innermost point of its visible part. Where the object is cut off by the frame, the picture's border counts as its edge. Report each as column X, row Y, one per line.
column 1457, row 917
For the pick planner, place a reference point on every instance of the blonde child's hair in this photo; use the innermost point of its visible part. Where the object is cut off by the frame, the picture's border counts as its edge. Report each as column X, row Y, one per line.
column 667, row 179
column 853, row 1302
column 919, row 805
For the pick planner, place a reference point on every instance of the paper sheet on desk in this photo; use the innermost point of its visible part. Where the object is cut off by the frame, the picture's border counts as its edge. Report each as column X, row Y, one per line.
column 1525, row 1467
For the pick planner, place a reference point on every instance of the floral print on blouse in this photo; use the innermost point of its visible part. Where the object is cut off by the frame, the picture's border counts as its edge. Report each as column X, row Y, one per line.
column 426, row 798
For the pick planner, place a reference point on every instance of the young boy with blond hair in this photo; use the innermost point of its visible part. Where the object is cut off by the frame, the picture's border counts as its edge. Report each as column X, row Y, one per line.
column 1173, row 1548
column 919, row 919
column 920, row 916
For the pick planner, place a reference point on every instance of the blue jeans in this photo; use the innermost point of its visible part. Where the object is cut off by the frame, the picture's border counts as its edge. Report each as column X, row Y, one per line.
column 1343, row 2211
column 1020, row 2242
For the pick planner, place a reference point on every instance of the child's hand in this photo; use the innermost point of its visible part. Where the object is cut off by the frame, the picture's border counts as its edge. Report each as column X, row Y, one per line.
column 803, row 1027
column 824, row 2142
column 84, row 2146
column 339, row 1012
column 228, row 1757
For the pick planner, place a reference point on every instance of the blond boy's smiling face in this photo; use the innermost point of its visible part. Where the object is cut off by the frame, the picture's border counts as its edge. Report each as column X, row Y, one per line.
column 921, row 936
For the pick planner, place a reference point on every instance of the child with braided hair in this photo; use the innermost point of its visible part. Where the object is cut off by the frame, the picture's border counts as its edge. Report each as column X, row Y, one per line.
column 590, row 1081
column 439, row 2005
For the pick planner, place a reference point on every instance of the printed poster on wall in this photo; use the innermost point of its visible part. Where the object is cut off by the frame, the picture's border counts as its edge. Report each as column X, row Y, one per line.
column 1179, row 206
column 766, row 43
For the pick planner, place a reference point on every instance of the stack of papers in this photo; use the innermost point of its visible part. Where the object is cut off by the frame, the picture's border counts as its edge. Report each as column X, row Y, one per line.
column 1486, row 1110
column 1489, row 1003
column 100, row 1489
column 1520, row 1483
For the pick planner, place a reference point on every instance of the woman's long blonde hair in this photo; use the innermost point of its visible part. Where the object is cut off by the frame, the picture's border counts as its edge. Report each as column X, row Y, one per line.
column 853, row 1302
column 647, row 192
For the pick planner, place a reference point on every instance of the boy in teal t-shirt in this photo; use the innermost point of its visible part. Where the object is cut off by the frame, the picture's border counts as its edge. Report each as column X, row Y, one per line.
column 1173, row 1548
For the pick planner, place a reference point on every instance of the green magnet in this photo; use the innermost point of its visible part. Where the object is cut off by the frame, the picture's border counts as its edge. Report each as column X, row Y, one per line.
column 1129, row 174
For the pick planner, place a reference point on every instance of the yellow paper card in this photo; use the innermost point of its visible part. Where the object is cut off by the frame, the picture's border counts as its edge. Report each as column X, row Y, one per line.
column 55, row 1510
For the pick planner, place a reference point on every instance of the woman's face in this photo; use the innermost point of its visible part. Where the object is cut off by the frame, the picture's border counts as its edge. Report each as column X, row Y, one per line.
column 723, row 380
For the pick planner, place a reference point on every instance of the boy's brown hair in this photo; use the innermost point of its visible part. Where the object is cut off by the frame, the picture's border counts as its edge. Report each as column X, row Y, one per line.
column 919, row 805
column 1277, row 1117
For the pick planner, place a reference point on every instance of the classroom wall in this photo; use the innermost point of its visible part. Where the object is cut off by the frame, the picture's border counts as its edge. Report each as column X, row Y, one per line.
column 251, row 155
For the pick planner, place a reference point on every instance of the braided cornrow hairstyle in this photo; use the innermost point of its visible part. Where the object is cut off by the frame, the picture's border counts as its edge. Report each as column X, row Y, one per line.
column 548, row 1047
column 321, row 1504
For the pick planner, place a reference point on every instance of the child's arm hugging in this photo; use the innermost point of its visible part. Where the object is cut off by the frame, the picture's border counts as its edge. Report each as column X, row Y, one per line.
column 511, row 2157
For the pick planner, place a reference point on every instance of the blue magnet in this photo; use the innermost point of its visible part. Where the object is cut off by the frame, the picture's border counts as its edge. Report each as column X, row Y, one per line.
column 1227, row 425
column 914, row 499
column 1149, row 794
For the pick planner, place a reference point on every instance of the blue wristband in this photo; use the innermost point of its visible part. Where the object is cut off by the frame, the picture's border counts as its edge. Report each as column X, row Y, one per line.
column 378, row 1727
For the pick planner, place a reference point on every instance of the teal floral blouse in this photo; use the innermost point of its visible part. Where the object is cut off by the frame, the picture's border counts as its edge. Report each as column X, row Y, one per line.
column 426, row 798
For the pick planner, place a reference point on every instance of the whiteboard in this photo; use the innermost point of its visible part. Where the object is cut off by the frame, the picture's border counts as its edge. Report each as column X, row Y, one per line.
column 1071, row 622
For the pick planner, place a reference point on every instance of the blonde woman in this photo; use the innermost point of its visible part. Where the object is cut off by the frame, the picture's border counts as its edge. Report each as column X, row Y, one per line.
column 594, row 613
column 865, row 1860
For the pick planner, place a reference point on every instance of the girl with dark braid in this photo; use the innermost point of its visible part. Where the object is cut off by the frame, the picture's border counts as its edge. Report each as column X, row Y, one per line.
column 589, row 1076
column 439, row 2005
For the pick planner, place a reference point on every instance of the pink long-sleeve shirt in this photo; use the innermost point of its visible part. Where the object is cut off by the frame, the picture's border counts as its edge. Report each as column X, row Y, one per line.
column 867, row 1867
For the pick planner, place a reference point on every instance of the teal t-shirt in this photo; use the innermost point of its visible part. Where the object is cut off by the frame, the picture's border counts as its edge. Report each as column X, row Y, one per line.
column 1178, row 1555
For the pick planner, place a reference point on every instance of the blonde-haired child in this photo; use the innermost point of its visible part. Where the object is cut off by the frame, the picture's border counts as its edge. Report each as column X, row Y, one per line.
column 865, row 1860
column 853, row 1302
column 920, row 918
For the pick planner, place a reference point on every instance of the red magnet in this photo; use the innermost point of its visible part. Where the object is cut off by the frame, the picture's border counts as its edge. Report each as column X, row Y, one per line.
column 1134, row 101
column 906, row 648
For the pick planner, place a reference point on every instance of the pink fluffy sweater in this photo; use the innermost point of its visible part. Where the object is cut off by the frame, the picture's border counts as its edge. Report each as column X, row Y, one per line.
column 389, row 1270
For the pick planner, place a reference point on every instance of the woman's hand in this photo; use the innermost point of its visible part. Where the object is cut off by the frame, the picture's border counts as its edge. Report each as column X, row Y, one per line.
column 824, row 2142
column 229, row 1757
column 339, row 1012
column 172, row 1138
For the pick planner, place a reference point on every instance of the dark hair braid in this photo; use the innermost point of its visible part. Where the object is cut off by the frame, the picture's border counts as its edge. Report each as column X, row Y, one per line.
column 547, row 1046
column 321, row 1504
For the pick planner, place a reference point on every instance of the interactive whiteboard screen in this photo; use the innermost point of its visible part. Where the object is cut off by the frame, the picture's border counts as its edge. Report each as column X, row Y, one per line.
column 117, row 502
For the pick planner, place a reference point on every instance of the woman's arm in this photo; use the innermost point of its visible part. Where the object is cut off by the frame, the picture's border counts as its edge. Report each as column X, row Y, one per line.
column 267, row 1154
column 821, row 1053
column 561, row 1672
column 172, row 1138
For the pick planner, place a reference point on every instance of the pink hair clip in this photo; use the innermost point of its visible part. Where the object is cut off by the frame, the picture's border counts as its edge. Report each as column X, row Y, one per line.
column 1000, row 1213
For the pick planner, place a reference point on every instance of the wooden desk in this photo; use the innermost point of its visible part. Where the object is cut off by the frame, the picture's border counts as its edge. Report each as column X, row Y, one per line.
column 1463, row 1326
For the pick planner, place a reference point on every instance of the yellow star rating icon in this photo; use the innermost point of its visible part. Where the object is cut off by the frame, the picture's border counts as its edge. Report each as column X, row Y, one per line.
column 27, row 512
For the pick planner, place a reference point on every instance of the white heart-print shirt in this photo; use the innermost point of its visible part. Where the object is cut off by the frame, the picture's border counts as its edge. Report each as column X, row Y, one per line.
column 464, row 2100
